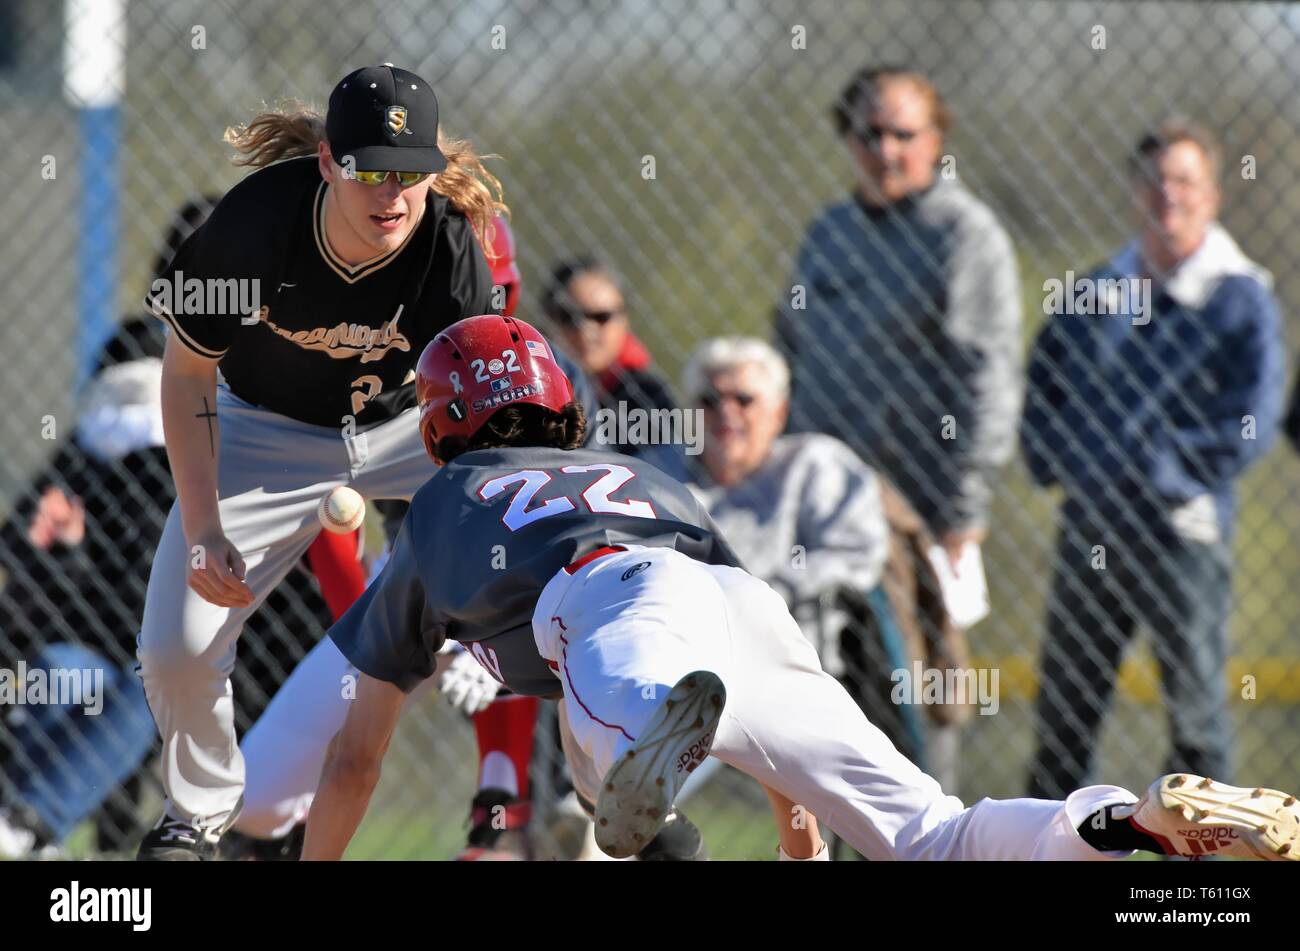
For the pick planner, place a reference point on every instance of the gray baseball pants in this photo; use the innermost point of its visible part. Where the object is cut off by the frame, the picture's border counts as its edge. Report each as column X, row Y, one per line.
column 272, row 472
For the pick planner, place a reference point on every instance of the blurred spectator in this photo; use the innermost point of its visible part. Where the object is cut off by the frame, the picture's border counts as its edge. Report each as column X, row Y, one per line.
column 75, row 556
column 903, row 318
column 585, row 303
column 806, row 515
column 1146, row 414
column 108, row 476
column 766, row 490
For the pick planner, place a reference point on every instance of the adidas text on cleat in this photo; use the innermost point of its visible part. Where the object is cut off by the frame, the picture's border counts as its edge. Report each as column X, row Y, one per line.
column 1195, row 817
column 637, row 793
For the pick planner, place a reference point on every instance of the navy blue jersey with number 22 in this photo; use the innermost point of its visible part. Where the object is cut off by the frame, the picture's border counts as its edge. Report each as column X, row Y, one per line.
column 482, row 538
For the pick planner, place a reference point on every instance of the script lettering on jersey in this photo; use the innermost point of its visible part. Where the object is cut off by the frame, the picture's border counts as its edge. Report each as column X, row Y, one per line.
column 344, row 341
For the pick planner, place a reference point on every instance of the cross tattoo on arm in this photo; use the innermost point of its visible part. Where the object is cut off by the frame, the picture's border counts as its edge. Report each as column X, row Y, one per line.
column 209, row 416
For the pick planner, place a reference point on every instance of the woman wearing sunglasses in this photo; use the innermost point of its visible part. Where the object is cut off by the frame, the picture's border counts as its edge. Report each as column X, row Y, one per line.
column 585, row 303
column 352, row 245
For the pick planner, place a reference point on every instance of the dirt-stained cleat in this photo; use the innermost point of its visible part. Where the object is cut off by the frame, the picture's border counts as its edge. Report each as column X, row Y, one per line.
column 636, row 796
column 1194, row 817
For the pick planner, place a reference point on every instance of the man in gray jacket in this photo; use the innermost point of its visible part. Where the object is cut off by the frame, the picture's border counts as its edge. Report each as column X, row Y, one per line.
column 902, row 322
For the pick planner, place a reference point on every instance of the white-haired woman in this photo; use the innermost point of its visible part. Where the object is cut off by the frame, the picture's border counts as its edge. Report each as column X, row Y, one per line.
column 803, row 510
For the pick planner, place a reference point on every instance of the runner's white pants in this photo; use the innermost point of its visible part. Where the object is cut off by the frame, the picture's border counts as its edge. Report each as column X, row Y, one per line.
column 623, row 629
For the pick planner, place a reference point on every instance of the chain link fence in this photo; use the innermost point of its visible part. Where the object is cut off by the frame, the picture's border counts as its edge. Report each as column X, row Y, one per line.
column 691, row 145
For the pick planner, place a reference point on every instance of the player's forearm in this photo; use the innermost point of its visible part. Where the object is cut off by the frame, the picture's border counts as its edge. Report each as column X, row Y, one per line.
column 339, row 806
column 795, row 825
column 189, row 404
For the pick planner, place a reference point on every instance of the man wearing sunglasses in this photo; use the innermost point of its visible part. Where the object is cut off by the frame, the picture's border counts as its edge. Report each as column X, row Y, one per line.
column 358, row 236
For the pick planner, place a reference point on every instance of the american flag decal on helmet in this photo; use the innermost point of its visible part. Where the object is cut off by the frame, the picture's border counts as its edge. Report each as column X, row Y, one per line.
column 538, row 349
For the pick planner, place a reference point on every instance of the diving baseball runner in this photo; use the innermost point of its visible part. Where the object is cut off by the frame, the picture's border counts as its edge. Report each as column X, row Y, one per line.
column 285, row 749
column 348, row 249
column 618, row 593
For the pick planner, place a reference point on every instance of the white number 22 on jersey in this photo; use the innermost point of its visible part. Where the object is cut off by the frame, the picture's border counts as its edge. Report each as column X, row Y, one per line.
column 596, row 496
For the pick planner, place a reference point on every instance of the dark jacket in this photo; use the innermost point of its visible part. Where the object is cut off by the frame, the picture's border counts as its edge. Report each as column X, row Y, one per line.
column 632, row 383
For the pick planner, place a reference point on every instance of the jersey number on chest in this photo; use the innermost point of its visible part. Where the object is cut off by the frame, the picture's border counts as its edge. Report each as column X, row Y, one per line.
column 596, row 496
column 370, row 385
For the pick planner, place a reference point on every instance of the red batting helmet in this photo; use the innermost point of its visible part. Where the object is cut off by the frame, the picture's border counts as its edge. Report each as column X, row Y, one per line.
column 479, row 365
column 505, row 270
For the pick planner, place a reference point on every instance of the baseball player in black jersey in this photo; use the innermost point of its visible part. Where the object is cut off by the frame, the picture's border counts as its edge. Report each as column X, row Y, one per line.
column 285, row 749
column 617, row 593
column 297, row 313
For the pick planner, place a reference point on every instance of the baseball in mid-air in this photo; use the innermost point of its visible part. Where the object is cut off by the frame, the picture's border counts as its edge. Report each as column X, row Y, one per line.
column 341, row 510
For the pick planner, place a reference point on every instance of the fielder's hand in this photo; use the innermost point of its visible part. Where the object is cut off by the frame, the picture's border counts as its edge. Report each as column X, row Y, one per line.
column 216, row 572
column 466, row 685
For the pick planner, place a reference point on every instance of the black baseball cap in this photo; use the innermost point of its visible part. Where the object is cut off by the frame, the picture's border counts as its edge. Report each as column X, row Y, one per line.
column 386, row 118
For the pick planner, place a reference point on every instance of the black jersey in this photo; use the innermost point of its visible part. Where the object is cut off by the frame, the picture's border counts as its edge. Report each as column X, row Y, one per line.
column 297, row 330
column 483, row 537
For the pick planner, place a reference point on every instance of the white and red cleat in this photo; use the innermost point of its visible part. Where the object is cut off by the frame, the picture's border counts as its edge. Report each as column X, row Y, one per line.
column 1195, row 817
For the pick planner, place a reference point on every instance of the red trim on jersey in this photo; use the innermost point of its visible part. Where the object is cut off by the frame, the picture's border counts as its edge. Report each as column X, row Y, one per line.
column 592, row 556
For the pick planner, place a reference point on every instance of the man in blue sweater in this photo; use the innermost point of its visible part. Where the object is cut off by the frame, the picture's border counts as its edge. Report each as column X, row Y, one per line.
column 1154, row 384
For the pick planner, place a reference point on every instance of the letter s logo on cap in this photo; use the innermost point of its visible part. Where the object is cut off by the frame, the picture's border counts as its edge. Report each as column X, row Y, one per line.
column 395, row 119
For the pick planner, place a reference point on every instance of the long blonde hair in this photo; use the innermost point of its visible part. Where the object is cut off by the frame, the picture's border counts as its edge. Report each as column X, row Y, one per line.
column 292, row 129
